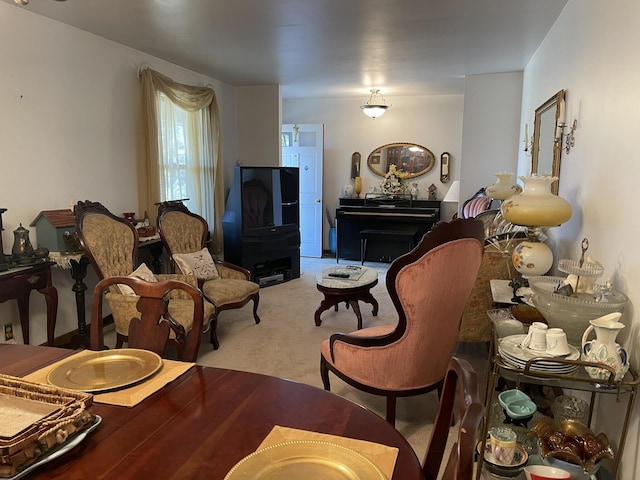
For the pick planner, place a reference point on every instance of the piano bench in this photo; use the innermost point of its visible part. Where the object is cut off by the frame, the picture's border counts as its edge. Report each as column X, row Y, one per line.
column 405, row 236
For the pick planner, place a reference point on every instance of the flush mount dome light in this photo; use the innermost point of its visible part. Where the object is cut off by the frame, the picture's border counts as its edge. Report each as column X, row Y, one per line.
column 375, row 106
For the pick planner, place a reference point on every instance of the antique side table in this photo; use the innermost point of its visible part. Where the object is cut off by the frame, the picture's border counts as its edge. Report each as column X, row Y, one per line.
column 337, row 289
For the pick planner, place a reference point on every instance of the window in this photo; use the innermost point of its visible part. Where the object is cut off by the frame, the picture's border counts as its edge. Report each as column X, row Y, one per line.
column 184, row 170
column 180, row 156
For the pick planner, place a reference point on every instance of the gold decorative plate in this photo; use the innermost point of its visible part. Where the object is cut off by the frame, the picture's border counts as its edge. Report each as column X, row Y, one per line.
column 105, row 370
column 308, row 459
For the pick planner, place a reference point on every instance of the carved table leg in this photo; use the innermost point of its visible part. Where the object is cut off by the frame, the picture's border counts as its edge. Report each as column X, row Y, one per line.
column 79, row 273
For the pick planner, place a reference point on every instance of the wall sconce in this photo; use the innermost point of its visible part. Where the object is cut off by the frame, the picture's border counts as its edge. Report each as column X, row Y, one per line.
column 570, row 140
column 375, row 106
column 528, row 145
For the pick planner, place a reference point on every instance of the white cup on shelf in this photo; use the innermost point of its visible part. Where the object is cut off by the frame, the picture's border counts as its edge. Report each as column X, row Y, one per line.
column 536, row 338
column 557, row 343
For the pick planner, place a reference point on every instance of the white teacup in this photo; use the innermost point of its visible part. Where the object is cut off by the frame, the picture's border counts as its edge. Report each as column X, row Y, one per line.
column 536, row 338
column 557, row 343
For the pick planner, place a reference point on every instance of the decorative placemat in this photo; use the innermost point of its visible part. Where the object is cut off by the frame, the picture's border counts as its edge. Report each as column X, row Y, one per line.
column 383, row 456
column 126, row 397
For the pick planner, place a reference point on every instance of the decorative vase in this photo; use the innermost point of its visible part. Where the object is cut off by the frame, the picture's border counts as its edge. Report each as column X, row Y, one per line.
column 604, row 349
column 503, row 188
column 358, row 187
column 347, row 191
column 21, row 244
column 536, row 206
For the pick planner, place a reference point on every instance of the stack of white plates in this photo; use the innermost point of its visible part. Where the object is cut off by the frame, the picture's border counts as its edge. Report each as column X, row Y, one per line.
column 515, row 355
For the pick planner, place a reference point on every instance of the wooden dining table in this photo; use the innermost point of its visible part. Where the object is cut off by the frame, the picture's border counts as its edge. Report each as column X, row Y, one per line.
column 204, row 422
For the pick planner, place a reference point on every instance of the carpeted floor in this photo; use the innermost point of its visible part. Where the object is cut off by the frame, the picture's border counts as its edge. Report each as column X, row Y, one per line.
column 287, row 344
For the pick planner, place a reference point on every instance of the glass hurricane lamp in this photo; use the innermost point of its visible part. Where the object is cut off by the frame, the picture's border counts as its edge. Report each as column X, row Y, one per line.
column 535, row 208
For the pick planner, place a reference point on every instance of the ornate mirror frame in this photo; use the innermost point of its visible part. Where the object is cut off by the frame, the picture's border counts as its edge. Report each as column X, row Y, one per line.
column 411, row 158
column 545, row 154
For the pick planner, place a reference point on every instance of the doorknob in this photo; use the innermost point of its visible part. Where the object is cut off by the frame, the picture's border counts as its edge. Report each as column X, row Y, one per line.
column 318, row 200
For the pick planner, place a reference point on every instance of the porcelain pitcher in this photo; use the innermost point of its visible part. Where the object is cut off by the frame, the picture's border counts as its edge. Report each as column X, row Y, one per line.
column 604, row 349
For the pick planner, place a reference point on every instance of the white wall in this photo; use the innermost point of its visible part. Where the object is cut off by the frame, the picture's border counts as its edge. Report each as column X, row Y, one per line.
column 258, row 113
column 434, row 122
column 491, row 129
column 68, row 119
column 592, row 53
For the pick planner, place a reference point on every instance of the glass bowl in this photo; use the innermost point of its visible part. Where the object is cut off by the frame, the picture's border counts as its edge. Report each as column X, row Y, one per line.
column 572, row 314
column 568, row 407
column 572, row 442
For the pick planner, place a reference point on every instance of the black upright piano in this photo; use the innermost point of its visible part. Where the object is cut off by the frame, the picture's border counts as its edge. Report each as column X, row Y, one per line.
column 398, row 213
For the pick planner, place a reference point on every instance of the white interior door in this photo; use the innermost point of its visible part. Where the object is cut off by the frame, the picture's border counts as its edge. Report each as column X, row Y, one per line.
column 302, row 147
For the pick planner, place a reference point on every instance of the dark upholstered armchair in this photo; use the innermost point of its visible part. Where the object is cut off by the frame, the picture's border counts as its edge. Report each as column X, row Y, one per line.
column 224, row 284
column 429, row 287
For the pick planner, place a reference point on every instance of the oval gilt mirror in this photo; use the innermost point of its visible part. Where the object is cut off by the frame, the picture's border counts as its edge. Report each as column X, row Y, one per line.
column 410, row 158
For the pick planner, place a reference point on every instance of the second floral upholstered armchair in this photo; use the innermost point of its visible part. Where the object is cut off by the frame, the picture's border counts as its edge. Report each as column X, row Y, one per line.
column 227, row 286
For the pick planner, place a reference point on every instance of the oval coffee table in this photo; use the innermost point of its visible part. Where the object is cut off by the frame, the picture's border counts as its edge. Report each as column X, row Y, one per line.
column 336, row 290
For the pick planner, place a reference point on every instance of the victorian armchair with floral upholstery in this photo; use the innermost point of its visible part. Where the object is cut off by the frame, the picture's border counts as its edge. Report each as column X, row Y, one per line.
column 111, row 245
column 429, row 287
column 227, row 286
column 154, row 326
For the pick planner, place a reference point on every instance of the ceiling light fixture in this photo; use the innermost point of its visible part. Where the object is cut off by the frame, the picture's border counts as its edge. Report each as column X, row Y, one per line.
column 376, row 106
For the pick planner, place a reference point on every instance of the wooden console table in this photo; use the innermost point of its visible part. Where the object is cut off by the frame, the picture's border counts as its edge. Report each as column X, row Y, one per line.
column 17, row 284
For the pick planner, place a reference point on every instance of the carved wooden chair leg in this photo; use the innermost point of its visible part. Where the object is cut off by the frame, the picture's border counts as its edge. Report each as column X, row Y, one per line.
column 213, row 334
column 256, row 300
column 324, row 374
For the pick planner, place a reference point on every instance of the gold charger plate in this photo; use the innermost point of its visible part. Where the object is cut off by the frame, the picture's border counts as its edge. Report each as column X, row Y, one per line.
column 105, row 370
column 308, row 459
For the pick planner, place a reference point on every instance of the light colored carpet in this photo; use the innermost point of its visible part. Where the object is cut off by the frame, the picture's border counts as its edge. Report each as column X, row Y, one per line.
column 287, row 344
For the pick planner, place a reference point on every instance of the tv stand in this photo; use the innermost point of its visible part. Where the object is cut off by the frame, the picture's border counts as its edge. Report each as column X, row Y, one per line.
column 275, row 271
column 262, row 233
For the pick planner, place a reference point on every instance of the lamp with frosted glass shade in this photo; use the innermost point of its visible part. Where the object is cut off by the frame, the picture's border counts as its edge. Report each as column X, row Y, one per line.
column 376, row 105
column 535, row 208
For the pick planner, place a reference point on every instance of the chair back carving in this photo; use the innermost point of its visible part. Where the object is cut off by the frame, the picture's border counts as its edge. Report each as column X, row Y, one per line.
column 109, row 242
column 154, row 326
column 461, row 378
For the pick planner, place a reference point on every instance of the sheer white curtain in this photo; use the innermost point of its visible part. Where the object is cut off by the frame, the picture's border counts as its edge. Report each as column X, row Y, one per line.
column 184, row 157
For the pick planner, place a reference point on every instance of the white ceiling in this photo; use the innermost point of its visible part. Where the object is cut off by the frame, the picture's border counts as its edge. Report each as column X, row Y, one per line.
column 323, row 48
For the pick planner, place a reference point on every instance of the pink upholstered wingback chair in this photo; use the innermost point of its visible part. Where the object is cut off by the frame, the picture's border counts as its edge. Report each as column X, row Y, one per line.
column 429, row 287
